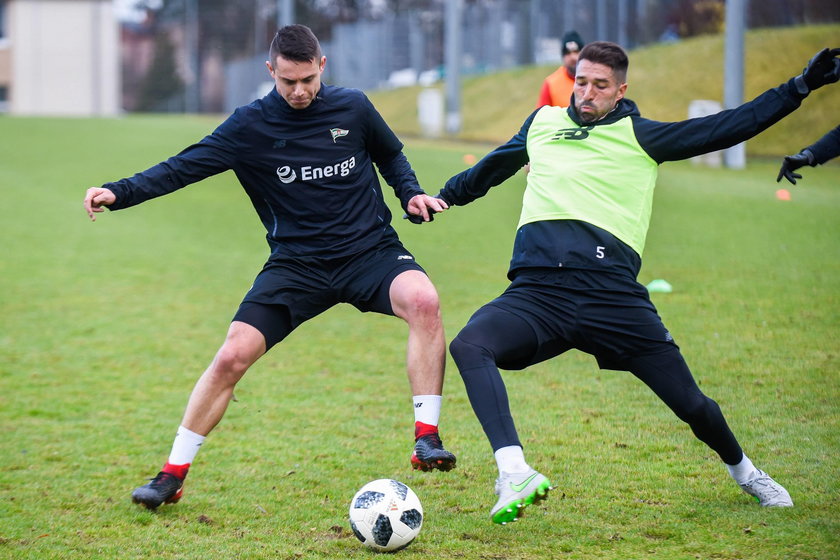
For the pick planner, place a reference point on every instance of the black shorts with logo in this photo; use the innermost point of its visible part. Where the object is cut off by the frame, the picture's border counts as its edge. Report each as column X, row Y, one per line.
column 607, row 315
column 288, row 292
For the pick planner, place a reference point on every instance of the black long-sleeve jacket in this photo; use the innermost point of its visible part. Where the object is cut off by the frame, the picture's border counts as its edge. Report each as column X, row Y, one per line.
column 309, row 172
column 827, row 147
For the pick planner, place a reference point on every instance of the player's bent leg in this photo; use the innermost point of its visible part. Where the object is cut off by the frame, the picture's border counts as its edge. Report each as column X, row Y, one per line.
column 486, row 391
column 214, row 390
column 207, row 404
column 667, row 374
column 415, row 300
column 494, row 337
column 669, row 377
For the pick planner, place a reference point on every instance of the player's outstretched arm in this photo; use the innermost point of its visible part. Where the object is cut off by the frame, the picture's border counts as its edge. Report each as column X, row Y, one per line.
column 422, row 208
column 95, row 199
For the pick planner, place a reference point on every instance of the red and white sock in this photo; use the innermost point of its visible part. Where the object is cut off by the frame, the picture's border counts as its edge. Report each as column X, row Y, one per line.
column 184, row 449
column 426, row 414
column 178, row 470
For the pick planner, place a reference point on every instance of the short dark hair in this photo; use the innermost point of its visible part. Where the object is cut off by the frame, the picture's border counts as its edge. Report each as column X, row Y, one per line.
column 608, row 54
column 296, row 43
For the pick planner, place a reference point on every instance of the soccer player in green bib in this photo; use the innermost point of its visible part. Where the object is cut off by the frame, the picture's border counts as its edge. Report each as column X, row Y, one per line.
column 577, row 253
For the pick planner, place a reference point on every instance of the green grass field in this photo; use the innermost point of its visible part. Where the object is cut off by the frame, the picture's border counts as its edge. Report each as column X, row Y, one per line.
column 106, row 326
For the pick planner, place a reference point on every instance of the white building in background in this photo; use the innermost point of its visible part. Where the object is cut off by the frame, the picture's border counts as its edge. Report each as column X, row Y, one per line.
column 59, row 57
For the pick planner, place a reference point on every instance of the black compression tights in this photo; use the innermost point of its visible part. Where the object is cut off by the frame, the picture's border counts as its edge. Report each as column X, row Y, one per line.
column 497, row 338
column 668, row 376
column 492, row 337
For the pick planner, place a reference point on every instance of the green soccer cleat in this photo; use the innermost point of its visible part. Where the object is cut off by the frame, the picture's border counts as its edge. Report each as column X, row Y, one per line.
column 517, row 491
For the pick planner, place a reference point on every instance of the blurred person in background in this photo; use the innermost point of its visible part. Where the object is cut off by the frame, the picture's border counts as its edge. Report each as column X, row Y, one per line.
column 556, row 89
column 577, row 255
column 305, row 155
column 819, row 152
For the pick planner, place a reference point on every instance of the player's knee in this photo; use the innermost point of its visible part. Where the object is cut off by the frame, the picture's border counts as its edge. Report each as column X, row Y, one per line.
column 231, row 363
column 467, row 354
column 458, row 348
column 699, row 411
column 421, row 305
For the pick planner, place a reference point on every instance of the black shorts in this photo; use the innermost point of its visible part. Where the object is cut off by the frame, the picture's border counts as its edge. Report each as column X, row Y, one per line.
column 607, row 315
column 288, row 292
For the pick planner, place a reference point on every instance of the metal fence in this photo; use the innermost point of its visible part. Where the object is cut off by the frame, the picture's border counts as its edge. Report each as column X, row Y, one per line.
column 407, row 47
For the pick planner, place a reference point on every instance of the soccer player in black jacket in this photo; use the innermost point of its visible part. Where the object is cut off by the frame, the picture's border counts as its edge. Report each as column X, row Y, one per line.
column 305, row 154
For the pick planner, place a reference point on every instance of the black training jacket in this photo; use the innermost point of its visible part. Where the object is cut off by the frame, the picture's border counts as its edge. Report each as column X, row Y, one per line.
column 309, row 172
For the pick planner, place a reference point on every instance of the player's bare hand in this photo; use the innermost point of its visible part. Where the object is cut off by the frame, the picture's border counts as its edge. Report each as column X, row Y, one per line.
column 95, row 199
column 422, row 208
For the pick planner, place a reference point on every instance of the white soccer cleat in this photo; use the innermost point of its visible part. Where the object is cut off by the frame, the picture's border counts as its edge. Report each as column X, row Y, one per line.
column 767, row 491
column 516, row 491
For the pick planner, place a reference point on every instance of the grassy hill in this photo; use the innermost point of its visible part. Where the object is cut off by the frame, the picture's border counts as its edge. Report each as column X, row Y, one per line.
column 663, row 80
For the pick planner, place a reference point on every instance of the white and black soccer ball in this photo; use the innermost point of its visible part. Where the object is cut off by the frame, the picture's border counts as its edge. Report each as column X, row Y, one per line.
column 386, row 515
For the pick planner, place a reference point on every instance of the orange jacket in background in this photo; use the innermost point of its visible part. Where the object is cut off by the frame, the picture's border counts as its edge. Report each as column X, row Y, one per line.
column 556, row 89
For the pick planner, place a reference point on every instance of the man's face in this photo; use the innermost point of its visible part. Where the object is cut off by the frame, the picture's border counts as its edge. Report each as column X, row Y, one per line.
column 570, row 62
column 297, row 82
column 597, row 90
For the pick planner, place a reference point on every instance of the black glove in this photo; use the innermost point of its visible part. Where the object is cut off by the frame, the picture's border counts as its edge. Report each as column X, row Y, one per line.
column 418, row 219
column 822, row 69
column 792, row 163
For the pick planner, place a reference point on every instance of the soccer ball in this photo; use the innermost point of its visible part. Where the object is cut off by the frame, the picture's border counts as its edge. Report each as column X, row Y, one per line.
column 386, row 515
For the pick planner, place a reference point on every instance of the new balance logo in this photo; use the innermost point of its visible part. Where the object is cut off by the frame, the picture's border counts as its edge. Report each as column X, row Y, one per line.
column 572, row 133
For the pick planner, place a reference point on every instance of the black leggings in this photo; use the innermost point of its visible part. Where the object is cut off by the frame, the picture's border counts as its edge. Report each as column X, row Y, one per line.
column 497, row 338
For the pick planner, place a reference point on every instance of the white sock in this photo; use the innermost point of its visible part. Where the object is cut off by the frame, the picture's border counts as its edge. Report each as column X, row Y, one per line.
column 511, row 459
column 185, row 447
column 427, row 409
column 743, row 472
